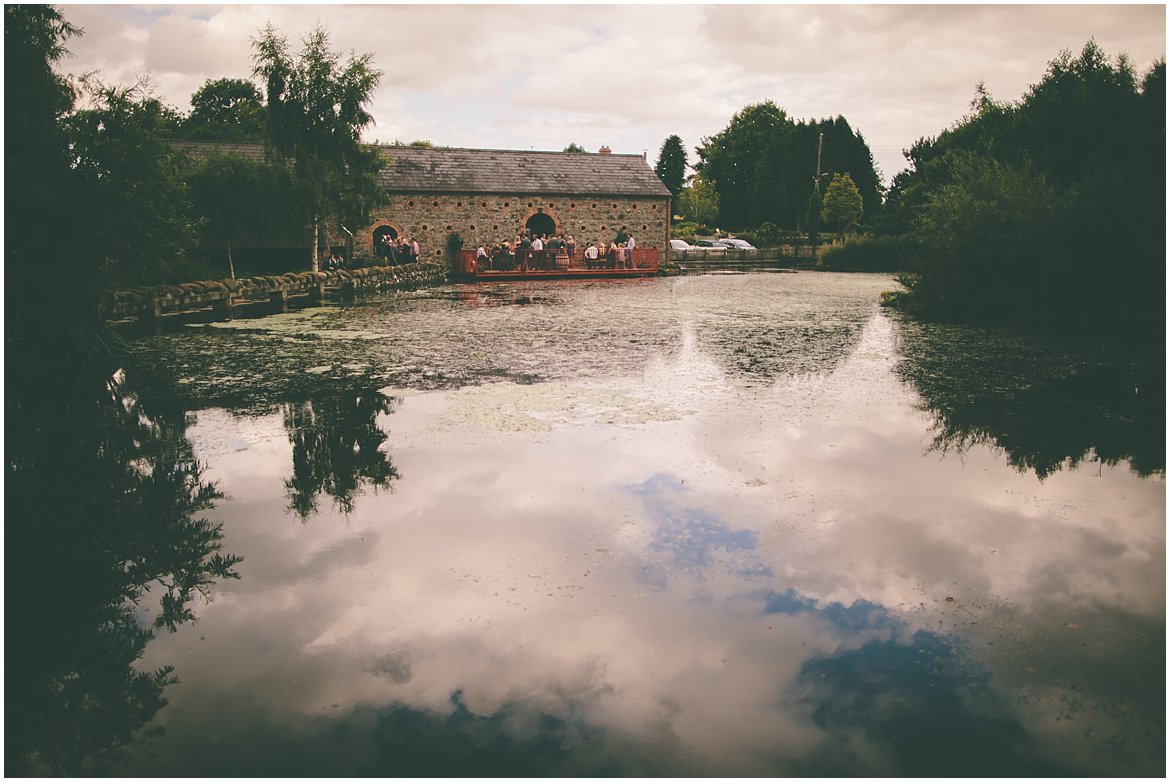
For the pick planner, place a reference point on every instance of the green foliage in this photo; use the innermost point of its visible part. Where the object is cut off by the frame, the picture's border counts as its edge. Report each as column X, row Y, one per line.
column 767, row 235
column 226, row 110
column 699, row 201
column 243, row 203
column 574, row 148
column 97, row 194
column 869, row 254
column 132, row 181
column 316, row 112
column 1048, row 211
column 672, row 166
column 842, row 205
column 762, row 166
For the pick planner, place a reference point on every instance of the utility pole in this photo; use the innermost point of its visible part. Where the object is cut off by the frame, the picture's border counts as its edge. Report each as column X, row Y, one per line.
column 815, row 220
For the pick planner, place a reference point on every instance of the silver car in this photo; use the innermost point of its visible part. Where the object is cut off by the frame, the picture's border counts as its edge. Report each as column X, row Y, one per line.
column 710, row 246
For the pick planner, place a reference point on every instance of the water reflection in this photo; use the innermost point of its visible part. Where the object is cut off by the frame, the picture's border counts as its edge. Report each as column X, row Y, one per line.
column 107, row 543
column 650, row 562
column 337, row 448
column 1045, row 403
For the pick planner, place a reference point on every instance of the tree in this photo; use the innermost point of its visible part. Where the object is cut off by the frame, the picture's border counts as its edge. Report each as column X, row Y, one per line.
column 97, row 194
column 699, row 201
column 575, row 148
column 1049, row 210
column 226, row 110
column 842, row 205
column 137, row 221
column 316, row 112
column 762, row 165
column 240, row 199
column 672, row 165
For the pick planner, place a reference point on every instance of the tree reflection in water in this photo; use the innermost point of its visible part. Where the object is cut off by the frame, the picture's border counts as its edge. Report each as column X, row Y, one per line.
column 106, row 545
column 336, row 449
column 1046, row 403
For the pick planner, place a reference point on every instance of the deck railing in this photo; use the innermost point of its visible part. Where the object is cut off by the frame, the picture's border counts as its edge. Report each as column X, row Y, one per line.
column 537, row 262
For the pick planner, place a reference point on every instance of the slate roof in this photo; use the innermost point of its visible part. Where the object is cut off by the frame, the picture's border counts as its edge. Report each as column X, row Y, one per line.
column 454, row 170
column 449, row 170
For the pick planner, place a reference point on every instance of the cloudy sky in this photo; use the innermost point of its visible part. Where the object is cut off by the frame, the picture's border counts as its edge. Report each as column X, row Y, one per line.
column 627, row 76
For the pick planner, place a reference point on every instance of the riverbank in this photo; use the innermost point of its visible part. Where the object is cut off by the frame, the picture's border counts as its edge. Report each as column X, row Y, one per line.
column 224, row 296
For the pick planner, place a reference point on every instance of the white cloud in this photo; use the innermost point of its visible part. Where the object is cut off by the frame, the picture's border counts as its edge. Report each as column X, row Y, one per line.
column 520, row 76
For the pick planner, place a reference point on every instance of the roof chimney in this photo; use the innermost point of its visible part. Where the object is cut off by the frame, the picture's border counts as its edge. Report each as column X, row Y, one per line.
column 604, row 151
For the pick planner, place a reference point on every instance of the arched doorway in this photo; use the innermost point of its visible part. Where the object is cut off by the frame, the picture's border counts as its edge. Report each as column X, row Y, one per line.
column 539, row 224
column 380, row 240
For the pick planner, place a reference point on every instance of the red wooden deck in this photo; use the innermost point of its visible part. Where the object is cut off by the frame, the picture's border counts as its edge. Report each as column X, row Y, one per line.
column 556, row 264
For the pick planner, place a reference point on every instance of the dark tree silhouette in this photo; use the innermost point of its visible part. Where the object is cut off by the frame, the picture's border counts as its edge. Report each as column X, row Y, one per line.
column 337, row 449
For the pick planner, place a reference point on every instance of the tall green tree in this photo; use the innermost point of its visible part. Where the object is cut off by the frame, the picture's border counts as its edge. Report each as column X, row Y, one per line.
column 842, row 205
column 672, row 165
column 95, row 195
column 763, row 163
column 699, row 201
column 226, row 110
column 132, row 180
column 1049, row 210
column 575, row 148
column 316, row 113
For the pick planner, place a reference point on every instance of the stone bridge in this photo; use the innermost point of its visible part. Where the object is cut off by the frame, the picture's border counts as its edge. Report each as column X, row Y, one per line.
column 224, row 296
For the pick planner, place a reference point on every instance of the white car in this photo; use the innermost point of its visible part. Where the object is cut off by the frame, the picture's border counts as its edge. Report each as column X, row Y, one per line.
column 737, row 244
column 680, row 245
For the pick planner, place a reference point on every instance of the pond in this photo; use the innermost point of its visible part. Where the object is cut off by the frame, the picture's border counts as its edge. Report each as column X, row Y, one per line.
column 716, row 525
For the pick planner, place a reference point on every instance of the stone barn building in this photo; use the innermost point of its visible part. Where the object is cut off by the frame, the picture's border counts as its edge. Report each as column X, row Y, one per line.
column 489, row 196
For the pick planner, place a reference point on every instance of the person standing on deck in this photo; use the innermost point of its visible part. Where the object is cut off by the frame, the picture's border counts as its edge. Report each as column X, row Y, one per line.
column 591, row 255
column 571, row 247
column 414, row 250
column 621, row 238
column 630, row 245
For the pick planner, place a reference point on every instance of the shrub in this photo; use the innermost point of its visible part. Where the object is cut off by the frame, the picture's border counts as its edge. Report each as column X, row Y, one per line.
column 866, row 254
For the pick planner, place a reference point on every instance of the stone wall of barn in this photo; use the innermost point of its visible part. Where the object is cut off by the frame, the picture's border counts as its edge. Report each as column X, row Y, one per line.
column 495, row 218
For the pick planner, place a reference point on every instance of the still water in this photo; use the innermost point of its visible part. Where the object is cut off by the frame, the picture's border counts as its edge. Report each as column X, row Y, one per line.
column 730, row 524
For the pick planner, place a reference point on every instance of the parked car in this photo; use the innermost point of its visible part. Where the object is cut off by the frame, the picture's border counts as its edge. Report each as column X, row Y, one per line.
column 737, row 244
column 710, row 245
column 681, row 246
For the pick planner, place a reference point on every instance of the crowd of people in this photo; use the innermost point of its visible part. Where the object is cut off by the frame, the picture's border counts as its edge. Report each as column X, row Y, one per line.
column 397, row 251
column 540, row 251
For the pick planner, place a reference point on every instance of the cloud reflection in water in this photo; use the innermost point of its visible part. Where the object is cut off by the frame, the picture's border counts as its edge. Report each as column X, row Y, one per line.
column 620, row 576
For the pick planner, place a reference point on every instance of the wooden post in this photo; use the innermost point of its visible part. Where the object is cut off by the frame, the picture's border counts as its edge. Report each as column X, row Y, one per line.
column 279, row 300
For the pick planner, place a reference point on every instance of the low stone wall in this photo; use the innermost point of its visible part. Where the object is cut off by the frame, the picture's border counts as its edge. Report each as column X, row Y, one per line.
column 153, row 302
